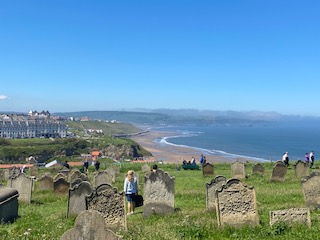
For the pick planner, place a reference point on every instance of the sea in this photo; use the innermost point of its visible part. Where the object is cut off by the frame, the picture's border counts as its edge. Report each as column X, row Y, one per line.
column 256, row 143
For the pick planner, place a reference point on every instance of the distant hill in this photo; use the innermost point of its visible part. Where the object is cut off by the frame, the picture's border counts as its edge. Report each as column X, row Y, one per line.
column 177, row 117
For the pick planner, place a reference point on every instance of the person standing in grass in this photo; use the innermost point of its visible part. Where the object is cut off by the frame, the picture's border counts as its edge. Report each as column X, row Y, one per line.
column 285, row 158
column 306, row 158
column 131, row 190
column 311, row 159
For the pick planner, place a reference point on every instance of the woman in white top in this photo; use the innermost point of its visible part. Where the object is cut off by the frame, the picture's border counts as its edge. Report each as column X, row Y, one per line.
column 130, row 189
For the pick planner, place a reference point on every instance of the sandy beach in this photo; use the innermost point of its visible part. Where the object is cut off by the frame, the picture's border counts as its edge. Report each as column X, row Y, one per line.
column 173, row 154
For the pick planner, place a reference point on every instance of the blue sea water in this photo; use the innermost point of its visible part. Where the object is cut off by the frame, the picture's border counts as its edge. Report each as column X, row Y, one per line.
column 260, row 143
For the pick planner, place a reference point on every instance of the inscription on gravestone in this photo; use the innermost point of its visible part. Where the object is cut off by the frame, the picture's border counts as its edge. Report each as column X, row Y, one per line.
column 106, row 200
column 311, row 190
column 159, row 190
column 211, row 187
column 238, row 170
column 279, row 172
column 290, row 216
column 236, row 204
column 301, row 169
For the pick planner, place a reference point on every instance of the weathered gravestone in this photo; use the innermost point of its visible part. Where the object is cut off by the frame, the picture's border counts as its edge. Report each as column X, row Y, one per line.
column 74, row 175
column 61, row 186
column 2, row 176
column 311, row 190
column 23, row 184
column 8, row 204
column 84, row 177
column 75, row 182
column 13, row 172
column 258, row 169
column 207, row 169
column 89, row 225
column 106, row 200
column 146, row 168
column 158, row 193
column 46, row 182
column 279, row 172
column 301, row 169
column 59, row 175
column 291, row 216
column 34, row 171
column 112, row 172
column 215, row 184
column 77, row 198
column 102, row 177
column 65, row 171
column 6, row 174
column 236, row 205
column 238, row 170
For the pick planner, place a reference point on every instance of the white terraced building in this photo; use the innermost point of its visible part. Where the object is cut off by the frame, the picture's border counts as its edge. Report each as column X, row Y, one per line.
column 34, row 128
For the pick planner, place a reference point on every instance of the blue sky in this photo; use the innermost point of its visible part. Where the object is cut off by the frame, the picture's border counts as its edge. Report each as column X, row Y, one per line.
column 110, row 55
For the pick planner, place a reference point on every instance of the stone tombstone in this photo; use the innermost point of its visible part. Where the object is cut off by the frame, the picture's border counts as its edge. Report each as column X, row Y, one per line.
column 89, row 225
column 279, row 171
column 34, row 171
column 238, row 170
column 8, row 204
column 146, row 168
column 46, row 182
column 59, row 175
column 65, row 171
column 291, row 216
column 159, row 188
column 311, row 190
column 112, row 173
column 102, row 177
column 13, row 172
column 301, row 169
column 258, row 169
column 74, row 175
column 2, row 176
column 77, row 198
column 236, row 205
column 111, row 204
column 61, row 186
column 84, row 177
column 23, row 184
column 75, row 182
column 6, row 174
column 211, row 188
column 207, row 169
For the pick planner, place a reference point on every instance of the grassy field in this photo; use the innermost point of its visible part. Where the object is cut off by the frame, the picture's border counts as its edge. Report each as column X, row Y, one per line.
column 46, row 218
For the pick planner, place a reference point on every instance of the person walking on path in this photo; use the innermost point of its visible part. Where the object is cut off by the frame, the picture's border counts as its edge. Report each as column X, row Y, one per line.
column 311, row 159
column 131, row 190
column 285, row 158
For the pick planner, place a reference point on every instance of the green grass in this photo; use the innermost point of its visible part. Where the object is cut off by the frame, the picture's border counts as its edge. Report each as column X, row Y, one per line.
column 45, row 217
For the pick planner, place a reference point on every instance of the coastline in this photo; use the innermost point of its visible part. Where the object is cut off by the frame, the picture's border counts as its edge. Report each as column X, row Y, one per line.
column 174, row 154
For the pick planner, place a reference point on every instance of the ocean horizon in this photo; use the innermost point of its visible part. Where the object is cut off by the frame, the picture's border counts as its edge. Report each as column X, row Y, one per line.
column 257, row 143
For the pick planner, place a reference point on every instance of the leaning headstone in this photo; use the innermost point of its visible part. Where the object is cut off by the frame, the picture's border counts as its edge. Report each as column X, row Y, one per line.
column 207, row 169
column 238, row 170
column 111, row 204
column 24, row 186
column 61, row 186
column 159, row 190
column 301, row 169
column 77, row 198
column 291, row 216
column 258, row 169
column 279, row 172
column 89, row 225
column 8, row 204
column 102, row 177
column 34, row 171
column 211, row 187
column 236, row 205
column 311, row 190
column 46, row 182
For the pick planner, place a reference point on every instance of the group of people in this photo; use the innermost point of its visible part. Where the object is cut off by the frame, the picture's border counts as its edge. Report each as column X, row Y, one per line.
column 202, row 160
column 308, row 158
column 131, row 189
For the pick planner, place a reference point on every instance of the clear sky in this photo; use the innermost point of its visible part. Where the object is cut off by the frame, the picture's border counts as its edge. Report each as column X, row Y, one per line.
column 64, row 55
